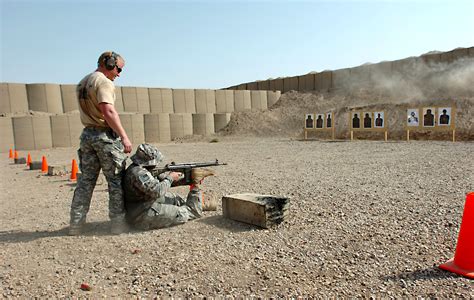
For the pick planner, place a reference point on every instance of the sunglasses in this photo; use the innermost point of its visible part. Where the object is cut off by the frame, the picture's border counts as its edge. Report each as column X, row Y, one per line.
column 119, row 70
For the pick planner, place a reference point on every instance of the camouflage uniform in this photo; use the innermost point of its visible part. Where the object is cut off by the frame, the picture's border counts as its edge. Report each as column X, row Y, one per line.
column 148, row 202
column 99, row 148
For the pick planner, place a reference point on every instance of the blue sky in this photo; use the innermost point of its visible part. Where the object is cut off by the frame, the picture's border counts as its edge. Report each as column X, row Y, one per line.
column 216, row 44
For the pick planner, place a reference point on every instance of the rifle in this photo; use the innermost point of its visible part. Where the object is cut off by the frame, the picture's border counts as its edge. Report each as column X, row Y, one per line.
column 186, row 169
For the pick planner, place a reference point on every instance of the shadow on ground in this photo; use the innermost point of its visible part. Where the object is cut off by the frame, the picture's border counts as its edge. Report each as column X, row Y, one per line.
column 90, row 229
column 227, row 224
column 421, row 274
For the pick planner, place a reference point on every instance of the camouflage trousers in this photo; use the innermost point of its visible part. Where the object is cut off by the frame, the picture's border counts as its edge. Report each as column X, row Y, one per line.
column 99, row 149
column 174, row 210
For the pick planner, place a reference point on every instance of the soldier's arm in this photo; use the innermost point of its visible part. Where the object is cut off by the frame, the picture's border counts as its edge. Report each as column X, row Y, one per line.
column 151, row 186
column 113, row 120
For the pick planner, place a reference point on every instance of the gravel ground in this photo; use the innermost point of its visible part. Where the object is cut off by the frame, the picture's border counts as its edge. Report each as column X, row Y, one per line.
column 367, row 219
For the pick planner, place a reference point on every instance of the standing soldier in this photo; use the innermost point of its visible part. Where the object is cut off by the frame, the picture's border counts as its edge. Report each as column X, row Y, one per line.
column 103, row 145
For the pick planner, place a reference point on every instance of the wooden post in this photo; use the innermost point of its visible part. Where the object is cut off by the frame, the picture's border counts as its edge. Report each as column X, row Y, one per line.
column 333, row 133
column 386, row 135
column 352, row 135
column 408, row 135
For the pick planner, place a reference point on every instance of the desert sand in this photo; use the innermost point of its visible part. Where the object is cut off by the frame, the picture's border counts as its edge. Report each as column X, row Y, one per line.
column 367, row 219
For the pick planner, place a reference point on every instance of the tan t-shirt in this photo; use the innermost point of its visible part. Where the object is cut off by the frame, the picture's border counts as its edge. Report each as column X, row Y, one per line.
column 93, row 89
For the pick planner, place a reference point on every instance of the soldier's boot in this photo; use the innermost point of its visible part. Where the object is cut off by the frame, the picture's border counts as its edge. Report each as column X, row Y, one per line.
column 198, row 174
column 118, row 225
column 76, row 229
column 209, row 201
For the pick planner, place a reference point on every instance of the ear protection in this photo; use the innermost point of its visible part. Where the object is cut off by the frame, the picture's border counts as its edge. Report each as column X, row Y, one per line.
column 110, row 61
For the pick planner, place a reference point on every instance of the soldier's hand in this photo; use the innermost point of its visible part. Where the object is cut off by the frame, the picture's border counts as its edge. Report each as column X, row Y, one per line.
column 176, row 175
column 127, row 145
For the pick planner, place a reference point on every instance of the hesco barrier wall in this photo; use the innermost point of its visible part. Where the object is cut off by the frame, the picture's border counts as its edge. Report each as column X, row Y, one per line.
column 184, row 101
column 203, row 124
column 32, row 132
column 6, row 134
column 13, row 98
column 360, row 75
column 134, row 127
column 44, row 97
column 69, row 97
column 66, row 130
column 161, row 100
column 144, row 112
column 181, row 125
column 179, row 105
column 242, row 100
column 221, row 120
column 157, row 128
column 224, row 101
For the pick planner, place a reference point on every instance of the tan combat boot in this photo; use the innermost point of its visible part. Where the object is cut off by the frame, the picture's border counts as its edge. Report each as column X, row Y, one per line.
column 198, row 174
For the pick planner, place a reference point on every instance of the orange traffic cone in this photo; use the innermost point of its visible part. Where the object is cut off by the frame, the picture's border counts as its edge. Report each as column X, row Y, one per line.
column 74, row 170
column 44, row 165
column 16, row 155
column 28, row 160
column 10, row 155
column 463, row 261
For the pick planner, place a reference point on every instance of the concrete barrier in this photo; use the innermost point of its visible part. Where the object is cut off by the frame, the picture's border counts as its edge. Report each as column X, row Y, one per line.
column 290, row 84
column 184, row 101
column 69, row 97
column 143, row 100
column 157, row 128
column 253, row 86
column 134, row 127
column 341, row 78
column 136, row 99
column 431, row 59
column 404, row 66
column 470, row 51
column 381, row 70
column 32, row 132
column 263, row 85
column 13, row 98
column 181, row 125
column 306, row 82
column 278, row 85
column 361, row 75
column 323, row 81
column 161, row 100
column 44, row 97
column 242, row 86
column 242, row 100
column 6, row 134
column 129, row 96
column 66, row 130
column 258, row 100
column 118, row 99
column 203, row 124
column 224, row 101
column 221, row 120
column 205, row 101
column 273, row 97
column 460, row 53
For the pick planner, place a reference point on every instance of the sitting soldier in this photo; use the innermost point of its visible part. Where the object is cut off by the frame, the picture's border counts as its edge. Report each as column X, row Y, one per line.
column 148, row 202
